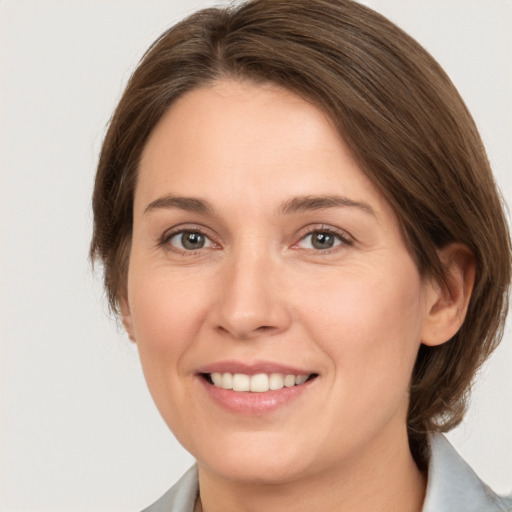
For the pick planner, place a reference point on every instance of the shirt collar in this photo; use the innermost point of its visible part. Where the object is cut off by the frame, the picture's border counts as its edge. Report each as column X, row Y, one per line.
column 453, row 485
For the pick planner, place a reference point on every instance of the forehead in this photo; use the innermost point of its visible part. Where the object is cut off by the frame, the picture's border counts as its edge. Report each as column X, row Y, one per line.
column 249, row 140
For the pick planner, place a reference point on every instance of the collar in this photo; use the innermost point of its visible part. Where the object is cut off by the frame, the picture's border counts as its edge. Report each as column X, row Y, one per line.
column 453, row 486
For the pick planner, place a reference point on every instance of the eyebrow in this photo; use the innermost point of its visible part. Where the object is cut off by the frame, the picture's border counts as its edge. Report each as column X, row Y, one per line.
column 307, row 203
column 298, row 204
column 189, row 204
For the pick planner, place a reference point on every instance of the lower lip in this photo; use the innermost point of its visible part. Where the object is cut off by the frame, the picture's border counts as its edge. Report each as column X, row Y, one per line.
column 250, row 403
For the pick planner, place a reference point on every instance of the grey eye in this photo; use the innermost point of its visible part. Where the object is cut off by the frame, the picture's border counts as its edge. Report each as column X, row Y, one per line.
column 320, row 240
column 190, row 240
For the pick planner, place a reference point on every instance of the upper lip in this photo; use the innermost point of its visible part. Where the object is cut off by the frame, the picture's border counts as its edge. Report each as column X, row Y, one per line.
column 252, row 368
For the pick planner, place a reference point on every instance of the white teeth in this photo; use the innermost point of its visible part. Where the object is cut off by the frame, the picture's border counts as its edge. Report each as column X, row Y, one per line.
column 227, row 381
column 300, row 379
column 241, row 382
column 276, row 381
column 259, row 383
column 289, row 381
column 217, row 379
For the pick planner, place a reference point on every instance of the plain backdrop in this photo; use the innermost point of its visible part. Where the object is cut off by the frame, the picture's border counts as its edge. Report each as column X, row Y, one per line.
column 78, row 429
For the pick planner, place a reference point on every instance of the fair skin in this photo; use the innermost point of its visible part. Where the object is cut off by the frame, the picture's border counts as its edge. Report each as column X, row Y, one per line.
column 234, row 268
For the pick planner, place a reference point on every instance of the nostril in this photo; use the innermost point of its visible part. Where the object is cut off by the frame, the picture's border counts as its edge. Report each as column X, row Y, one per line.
column 245, row 334
column 265, row 328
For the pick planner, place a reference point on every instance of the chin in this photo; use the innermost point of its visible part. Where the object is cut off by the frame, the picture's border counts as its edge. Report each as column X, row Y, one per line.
column 262, row 462
column 261, row 472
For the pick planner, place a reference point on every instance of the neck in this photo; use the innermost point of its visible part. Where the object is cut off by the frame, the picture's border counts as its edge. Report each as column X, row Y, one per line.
column 385, row 478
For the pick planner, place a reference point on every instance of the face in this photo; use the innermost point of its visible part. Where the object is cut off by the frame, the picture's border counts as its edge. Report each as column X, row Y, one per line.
column 263, row 260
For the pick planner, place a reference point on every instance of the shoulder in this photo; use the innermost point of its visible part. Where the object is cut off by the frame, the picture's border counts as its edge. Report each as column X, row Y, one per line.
column 453, row 486
column 181, row 497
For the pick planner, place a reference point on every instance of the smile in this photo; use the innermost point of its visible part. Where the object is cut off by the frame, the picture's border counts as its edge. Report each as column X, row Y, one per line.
column 258, row 383
column 255, row 388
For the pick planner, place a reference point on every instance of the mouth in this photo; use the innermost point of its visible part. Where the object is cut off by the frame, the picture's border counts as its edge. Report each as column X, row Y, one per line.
column 257, row 383
column 255, row 388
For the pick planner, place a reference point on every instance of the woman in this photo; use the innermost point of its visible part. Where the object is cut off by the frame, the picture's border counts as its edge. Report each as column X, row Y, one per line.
column 301, row 232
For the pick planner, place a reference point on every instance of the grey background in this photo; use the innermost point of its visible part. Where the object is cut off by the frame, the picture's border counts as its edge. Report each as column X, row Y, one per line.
column 78, row 430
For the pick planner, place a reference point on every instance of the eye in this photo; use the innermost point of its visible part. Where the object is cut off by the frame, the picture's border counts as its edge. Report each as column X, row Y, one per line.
column 322, row 240
column 189, row 240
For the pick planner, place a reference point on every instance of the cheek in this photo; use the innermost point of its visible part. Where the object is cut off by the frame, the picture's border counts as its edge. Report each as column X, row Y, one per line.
column 165, row 309
column 369, row 325
column 167, row 312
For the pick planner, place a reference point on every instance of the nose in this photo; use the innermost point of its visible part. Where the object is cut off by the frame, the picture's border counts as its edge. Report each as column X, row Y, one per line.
column 251, row 300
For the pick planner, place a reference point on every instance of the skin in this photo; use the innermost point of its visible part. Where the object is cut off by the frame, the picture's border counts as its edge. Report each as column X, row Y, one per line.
column 259, row 290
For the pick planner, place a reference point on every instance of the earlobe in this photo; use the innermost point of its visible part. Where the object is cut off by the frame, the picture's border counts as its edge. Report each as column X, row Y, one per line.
column 447, row 302
column 126, row 317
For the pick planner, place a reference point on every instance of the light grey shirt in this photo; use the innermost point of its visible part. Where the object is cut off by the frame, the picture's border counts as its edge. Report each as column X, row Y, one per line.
column 452, row 486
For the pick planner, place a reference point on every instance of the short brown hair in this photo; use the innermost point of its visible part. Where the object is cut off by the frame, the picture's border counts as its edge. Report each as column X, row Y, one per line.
column 398, row 112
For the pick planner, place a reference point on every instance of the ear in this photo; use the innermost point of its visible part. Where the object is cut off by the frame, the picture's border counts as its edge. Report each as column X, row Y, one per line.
column 126, row 317
column 447, row 302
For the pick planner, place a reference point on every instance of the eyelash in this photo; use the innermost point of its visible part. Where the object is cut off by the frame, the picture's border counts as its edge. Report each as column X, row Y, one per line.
column 167, row 237
column 342, row 237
